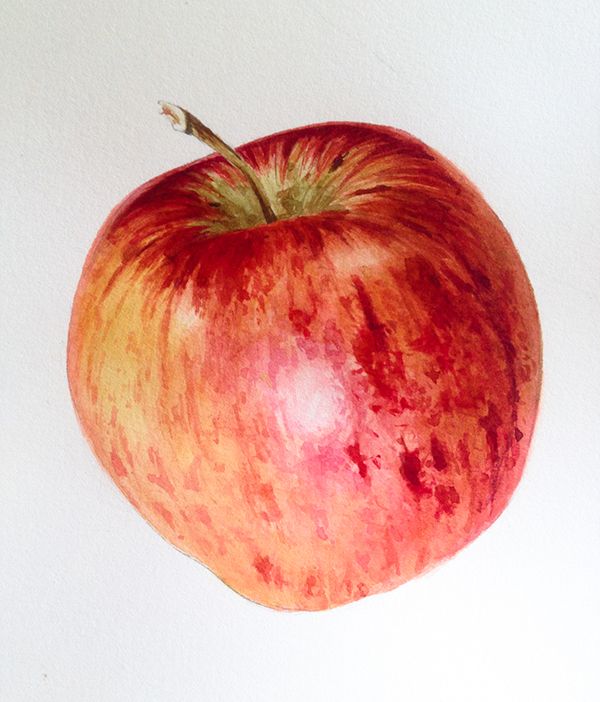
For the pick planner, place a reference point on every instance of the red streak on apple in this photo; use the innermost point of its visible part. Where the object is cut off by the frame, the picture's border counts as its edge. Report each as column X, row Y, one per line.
column 325, row 406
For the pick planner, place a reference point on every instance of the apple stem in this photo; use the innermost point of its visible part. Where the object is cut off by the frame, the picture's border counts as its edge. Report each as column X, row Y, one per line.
column 184, row 121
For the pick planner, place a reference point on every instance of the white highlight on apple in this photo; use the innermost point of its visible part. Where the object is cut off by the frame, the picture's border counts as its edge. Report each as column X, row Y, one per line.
column 312, row 401
column 349, row 260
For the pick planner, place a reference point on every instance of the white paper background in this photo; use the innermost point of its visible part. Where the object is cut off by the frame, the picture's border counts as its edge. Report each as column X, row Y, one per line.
column 94, row 605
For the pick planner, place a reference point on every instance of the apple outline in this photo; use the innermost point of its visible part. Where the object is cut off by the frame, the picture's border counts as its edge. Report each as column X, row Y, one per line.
column 169, row 484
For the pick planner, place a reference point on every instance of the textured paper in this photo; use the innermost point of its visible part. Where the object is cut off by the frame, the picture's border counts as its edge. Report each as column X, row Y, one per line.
column 95, row 605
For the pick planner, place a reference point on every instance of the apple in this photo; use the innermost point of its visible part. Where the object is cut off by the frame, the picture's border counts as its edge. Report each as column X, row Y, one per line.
column 313, row 363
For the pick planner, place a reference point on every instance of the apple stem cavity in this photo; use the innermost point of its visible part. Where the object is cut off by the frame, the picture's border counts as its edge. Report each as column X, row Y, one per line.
column 184, row 121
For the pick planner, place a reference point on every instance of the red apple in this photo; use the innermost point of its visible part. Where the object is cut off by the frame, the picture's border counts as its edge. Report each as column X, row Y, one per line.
column 315, row 368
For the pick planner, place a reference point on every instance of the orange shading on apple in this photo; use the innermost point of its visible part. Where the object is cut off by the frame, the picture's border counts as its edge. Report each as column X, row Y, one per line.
column 312, row 363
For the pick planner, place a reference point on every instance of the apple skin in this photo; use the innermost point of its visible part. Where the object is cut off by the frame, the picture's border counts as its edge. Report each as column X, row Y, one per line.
column 323, row 407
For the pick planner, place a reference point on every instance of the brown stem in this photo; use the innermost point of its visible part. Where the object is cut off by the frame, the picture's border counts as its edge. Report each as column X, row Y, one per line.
column 184, row 121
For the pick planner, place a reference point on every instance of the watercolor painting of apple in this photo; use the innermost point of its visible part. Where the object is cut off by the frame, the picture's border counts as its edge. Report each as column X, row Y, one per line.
column 313, row 363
